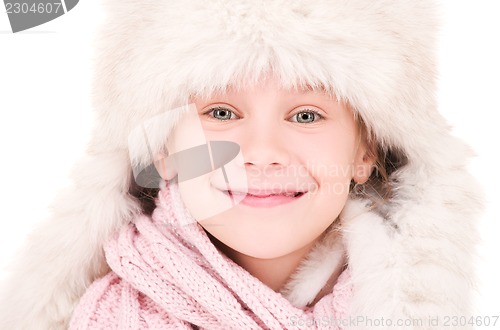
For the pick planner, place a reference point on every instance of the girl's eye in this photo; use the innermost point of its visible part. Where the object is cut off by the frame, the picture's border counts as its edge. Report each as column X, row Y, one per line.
column 305, row 117
column 220, row 113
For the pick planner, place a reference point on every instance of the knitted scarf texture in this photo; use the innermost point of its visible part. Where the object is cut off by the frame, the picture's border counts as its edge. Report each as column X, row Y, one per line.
column 167, row 274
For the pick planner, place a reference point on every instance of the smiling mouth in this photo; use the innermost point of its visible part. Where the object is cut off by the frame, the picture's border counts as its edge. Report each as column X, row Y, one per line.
column 263, row 200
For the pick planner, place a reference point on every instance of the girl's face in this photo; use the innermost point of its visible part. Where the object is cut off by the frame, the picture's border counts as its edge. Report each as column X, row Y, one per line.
column 298, row 154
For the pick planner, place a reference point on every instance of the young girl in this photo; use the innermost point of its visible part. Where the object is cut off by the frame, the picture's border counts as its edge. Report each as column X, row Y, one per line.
column 259, row 165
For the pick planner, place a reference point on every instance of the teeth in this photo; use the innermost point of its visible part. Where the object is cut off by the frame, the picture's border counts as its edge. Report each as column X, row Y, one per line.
column 290, row 194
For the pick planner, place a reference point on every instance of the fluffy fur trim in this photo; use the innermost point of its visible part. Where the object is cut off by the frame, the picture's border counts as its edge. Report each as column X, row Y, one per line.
column 325, row 259
column 410, row 258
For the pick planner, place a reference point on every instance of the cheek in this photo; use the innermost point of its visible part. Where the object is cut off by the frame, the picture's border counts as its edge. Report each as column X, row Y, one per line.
column 202, row 195
column 329, row 162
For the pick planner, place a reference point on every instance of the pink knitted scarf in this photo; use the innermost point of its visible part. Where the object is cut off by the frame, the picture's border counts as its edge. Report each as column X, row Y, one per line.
column 166, row 274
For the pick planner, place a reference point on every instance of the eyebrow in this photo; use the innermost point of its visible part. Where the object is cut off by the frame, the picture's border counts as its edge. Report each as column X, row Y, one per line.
column 303, row 89
column 309, row 89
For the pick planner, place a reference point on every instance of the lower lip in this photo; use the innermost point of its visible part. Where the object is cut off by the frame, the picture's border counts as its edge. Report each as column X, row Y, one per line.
column 268, row 201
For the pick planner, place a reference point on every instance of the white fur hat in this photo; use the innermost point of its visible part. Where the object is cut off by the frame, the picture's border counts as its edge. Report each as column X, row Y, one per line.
column 413, row 258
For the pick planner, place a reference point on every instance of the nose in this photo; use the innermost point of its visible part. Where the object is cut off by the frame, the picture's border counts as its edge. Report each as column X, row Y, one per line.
column 264, row 146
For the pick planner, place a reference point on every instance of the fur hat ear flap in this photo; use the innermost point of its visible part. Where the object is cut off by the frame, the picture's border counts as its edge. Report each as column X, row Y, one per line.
column 64, row 255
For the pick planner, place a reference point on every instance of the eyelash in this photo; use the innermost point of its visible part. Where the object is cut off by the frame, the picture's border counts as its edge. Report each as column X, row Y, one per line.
column 316, row 114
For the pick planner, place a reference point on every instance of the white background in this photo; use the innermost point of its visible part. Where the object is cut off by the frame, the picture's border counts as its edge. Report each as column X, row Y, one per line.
column 45, row 115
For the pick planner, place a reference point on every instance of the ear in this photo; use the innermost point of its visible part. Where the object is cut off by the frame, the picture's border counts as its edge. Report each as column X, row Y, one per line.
column 164, row 164
column 363, row 163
